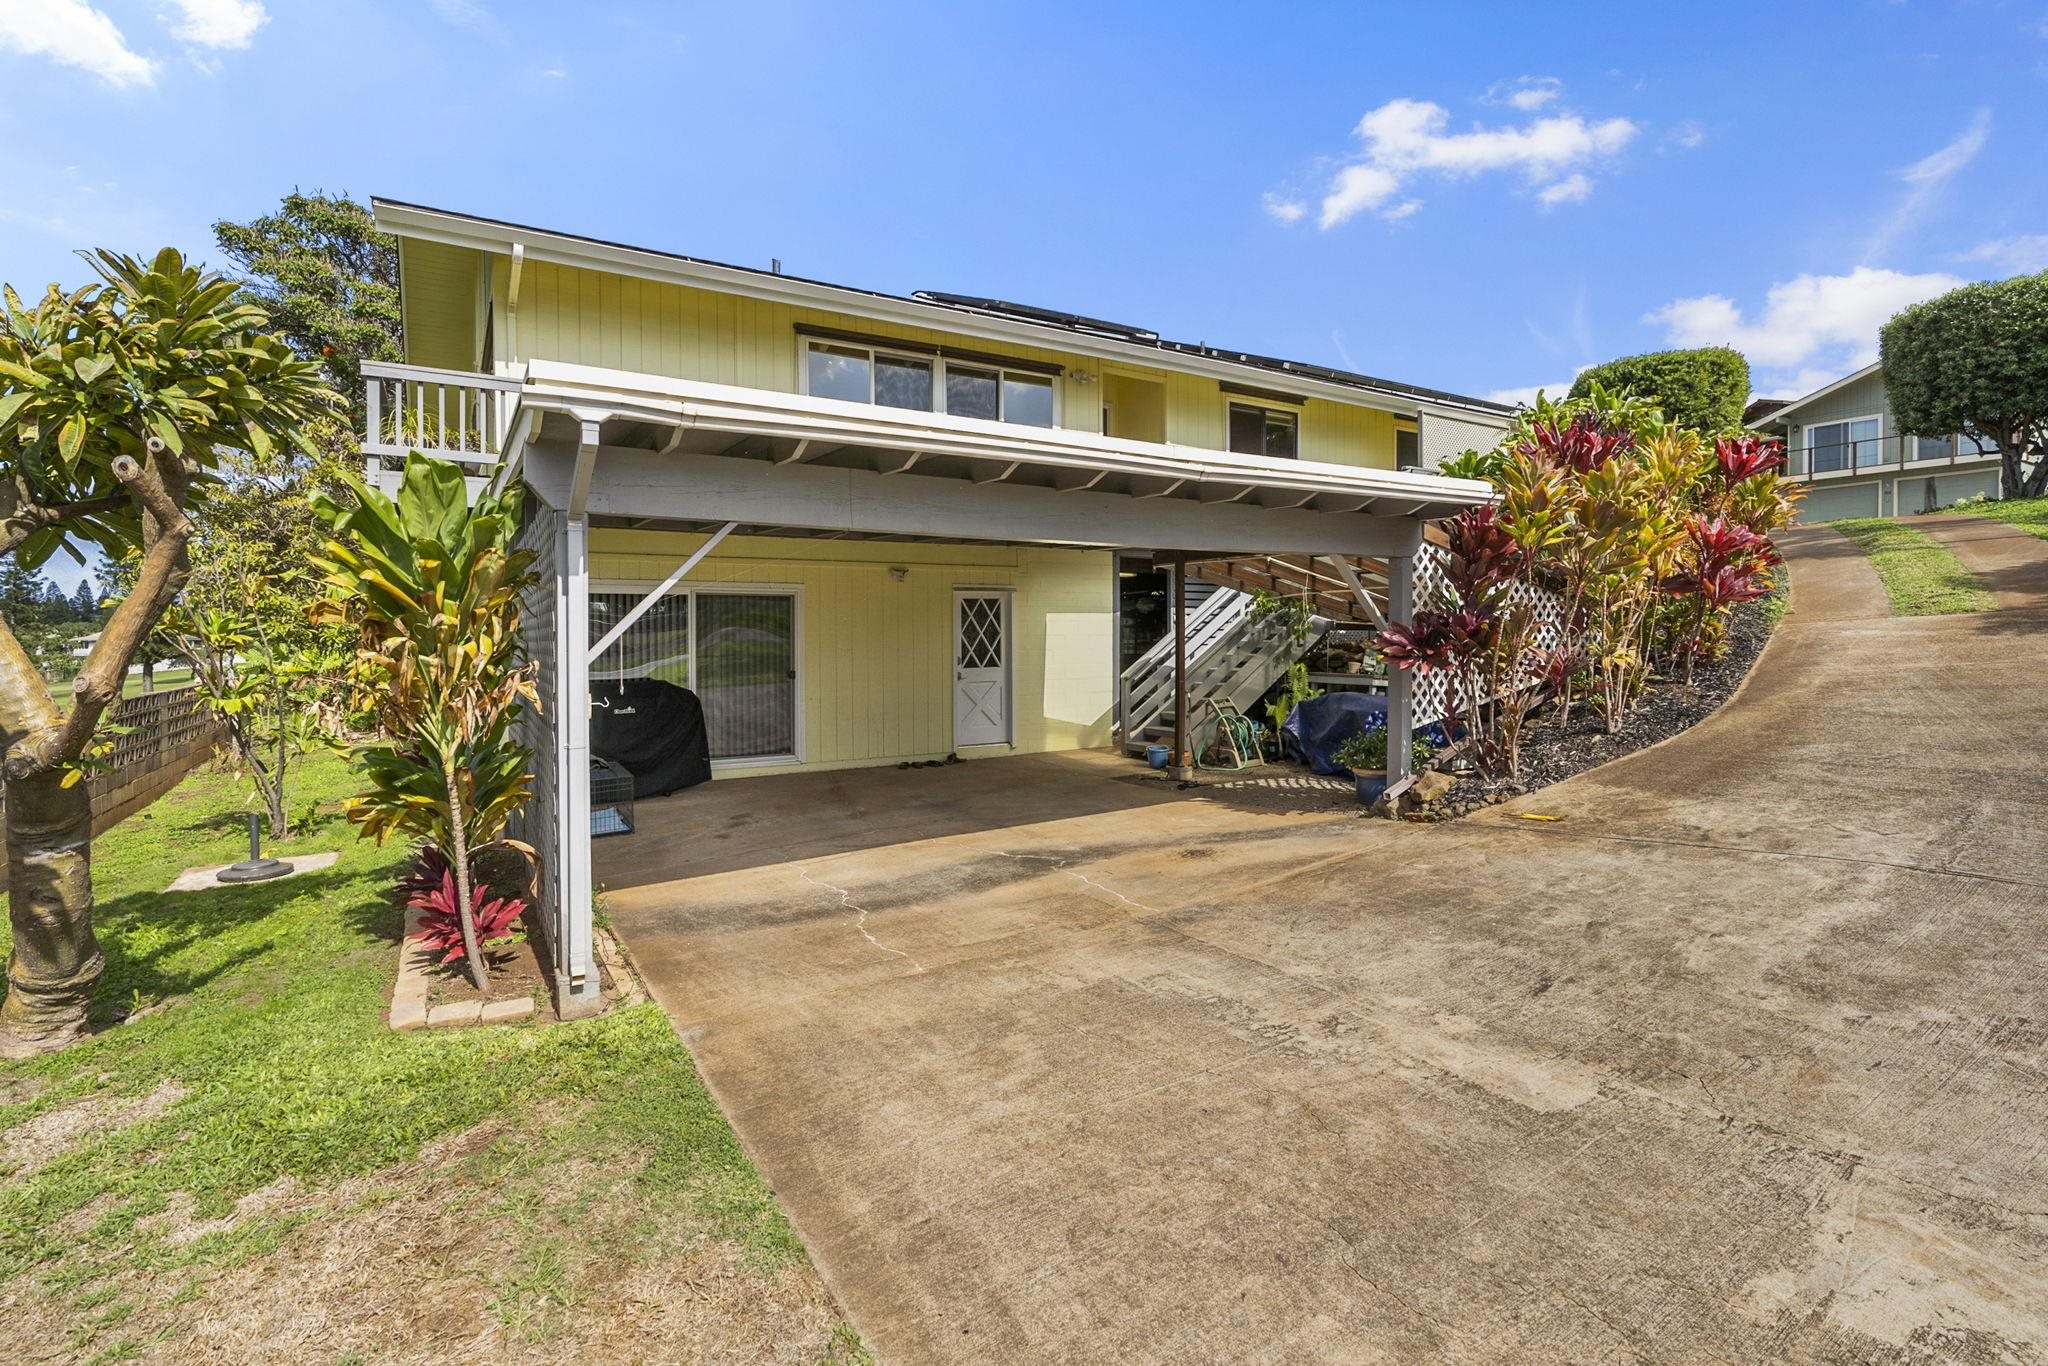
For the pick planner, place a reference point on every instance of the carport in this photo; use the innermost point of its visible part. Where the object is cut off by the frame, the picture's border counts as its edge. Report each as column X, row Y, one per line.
column 618, row 449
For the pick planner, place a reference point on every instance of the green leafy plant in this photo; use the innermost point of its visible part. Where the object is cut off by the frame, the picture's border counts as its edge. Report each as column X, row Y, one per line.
column 116, row 400
column 1294, row 613
column 1975, row 361
column 431, row 586
column 1366, row 752
column 1703, row 390
column 1295, row 689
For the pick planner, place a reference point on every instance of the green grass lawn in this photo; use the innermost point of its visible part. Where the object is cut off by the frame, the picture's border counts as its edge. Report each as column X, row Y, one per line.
column 255, row 1165
column 1921, row 576
column 2029, row 514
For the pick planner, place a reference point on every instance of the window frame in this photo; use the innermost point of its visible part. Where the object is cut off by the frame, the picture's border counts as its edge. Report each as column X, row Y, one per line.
column 938, row 363
column 1266, row 411
column 640, row 588
column 1847, row 424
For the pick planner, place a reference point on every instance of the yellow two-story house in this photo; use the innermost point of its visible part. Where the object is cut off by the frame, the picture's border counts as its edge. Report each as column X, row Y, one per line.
column 861, row 528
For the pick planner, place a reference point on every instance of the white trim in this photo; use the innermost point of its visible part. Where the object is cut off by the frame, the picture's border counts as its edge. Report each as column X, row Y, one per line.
column 792, row 591
column 479, row 234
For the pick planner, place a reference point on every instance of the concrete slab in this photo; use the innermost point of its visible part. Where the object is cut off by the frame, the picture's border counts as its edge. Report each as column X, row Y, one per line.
column 203, row 880
column 1743, row 1060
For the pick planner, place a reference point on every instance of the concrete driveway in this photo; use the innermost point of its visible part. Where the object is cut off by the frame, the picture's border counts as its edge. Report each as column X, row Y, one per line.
column 1743, row 1058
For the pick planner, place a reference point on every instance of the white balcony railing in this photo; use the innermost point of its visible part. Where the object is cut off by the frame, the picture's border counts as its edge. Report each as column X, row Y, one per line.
column 454, row 414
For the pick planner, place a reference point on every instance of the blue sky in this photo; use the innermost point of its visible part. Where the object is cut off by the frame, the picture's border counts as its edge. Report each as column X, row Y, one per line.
column 1482, row 198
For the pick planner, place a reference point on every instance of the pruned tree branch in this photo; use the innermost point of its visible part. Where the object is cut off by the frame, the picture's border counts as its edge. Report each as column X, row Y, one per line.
column 21, row 520
column 166, row 530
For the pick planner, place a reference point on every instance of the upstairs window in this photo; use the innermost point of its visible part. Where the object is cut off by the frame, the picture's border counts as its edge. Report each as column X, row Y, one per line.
column 929, row 384
column 1264, row 431
column 1407, row 449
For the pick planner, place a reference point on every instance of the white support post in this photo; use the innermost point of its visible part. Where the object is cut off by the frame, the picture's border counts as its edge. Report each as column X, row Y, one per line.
column 578, row 989
column 1400, row 684
column 641, row 607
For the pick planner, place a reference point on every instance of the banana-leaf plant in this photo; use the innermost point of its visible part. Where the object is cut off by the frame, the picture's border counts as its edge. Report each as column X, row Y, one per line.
column 432, row 584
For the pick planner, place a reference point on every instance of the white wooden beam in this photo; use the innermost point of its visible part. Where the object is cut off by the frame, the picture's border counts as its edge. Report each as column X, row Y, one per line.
column 796, row 456
column 586, row 465
column 641, row 608
column 1400, row 682
column 700, row 488
column 1350, row 576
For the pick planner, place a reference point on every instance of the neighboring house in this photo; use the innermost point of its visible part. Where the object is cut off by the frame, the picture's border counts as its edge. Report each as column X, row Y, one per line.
column 1843, row 444
column 869, row 529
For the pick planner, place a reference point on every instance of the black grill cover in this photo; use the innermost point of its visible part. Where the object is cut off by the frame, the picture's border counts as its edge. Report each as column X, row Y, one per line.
column 654, row 730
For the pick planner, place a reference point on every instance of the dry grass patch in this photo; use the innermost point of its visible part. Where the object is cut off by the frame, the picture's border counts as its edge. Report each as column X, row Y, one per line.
column 254, row 1167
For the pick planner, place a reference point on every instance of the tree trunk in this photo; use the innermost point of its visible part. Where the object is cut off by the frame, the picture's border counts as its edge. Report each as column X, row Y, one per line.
column 56, row 961
column 465, row 909
column 2037, row 481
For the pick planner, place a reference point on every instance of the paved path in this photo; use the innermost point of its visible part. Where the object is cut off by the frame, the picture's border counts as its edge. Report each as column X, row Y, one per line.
column 2012, row 563
column 1742, row 1059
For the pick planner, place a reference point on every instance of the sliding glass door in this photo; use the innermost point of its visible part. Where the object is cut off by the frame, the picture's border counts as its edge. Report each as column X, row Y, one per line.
column 736, row 649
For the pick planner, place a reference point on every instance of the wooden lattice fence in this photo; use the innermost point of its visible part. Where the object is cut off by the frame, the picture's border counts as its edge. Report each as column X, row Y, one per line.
column 1433, row 589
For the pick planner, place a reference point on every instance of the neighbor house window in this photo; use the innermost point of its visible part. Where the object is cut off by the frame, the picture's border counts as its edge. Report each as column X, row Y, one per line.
column 1264, row 431
column 930, row 384
column 1852, row 445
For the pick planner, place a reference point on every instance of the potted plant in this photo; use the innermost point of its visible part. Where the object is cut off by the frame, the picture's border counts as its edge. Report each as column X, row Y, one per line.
column 1365, row 755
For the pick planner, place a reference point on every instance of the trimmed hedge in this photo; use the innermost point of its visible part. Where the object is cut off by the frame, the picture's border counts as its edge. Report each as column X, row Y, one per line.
column 1705, row 389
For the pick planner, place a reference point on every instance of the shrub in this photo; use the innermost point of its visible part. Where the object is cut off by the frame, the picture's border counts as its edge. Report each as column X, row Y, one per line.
column 1703, row 390
column 1366, row 752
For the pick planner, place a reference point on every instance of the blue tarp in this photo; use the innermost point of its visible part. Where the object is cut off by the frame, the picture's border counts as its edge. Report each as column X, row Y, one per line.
column 1320, row 724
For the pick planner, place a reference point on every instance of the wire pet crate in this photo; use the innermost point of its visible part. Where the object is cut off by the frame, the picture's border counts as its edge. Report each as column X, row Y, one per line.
column 611, row 799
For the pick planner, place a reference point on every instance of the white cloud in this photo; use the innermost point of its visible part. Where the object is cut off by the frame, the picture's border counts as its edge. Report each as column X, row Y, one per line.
column 1356, row 189
column 219, row 23
column 1573, row 189
column 2023, row 255
column 1925, row 179
column 73, row 33
column 1814, row 324
column 1526, row 93
column 1404, row 139
column 1688, row 135
column 1401, row 210
column 1282, row 207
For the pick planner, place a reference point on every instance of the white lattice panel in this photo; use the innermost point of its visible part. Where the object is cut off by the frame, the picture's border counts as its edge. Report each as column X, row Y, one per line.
column 1433, row 590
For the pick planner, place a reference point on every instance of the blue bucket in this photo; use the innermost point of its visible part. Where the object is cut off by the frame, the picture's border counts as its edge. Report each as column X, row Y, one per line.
column 1372, row 785
column 1156, row 755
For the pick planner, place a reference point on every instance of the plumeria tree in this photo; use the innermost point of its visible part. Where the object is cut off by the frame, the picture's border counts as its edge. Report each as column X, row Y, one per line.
column 116, row 400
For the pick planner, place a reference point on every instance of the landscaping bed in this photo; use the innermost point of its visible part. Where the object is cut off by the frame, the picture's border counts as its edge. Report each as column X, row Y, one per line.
column 1669, row 707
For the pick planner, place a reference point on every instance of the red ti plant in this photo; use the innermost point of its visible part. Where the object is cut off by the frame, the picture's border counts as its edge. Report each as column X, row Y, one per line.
column 1739, row 457
column 429, row 888
column 1582, row 445
column 1726, row 565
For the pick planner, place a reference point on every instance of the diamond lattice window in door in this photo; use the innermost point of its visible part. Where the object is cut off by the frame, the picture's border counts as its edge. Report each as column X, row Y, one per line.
column 981, row 633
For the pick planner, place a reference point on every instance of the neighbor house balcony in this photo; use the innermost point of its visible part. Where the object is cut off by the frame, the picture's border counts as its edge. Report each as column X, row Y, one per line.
column 1886, row 455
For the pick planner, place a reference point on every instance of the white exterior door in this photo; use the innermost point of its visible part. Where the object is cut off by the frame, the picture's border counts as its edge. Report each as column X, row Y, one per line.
column 981, row 667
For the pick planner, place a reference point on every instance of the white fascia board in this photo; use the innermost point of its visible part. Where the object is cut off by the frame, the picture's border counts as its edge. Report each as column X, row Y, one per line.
column 584, row 391
column 1796, row 404
column 453, row 230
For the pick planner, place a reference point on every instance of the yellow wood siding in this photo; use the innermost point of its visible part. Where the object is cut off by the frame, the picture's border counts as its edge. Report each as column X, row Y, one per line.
column 442, row 287
column 588, row 317
column 876, row 666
